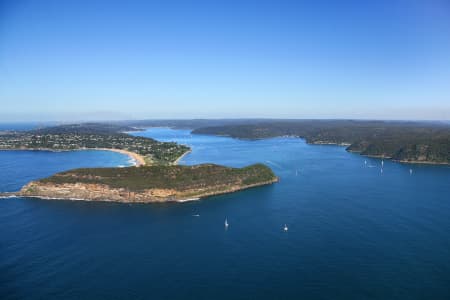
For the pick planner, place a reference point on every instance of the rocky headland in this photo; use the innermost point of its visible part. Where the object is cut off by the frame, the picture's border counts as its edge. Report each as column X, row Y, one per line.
column 148, row 183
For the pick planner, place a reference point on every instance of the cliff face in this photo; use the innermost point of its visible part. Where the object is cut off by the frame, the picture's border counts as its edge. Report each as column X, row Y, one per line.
column 100, row 192
column 94, row 192
column 73, row 185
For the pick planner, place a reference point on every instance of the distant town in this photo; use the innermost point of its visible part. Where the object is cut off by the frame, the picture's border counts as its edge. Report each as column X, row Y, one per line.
column 90, row 136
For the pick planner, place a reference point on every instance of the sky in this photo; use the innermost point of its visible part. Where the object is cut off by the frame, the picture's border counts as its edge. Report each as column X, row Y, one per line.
column 105, row 60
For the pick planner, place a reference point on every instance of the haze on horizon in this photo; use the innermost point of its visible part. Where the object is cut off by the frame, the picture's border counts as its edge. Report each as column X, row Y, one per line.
column 94, row 60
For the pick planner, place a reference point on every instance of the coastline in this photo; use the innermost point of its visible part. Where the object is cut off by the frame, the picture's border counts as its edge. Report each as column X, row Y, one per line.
column 421, row 162
column 181, row 156
column 177, row 198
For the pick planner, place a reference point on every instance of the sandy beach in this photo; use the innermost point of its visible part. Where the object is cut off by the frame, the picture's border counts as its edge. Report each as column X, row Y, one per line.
column 179, row 158
column 138, row 160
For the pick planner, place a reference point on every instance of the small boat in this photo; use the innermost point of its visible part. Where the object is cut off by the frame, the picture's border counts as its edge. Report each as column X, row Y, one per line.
column 365, row 162
column 410, row 171
column 382, row 163
column 285, row 227
column 226, row 223
column 196, row 215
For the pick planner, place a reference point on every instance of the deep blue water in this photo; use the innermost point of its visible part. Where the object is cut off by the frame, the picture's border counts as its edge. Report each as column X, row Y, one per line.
column 354, row 232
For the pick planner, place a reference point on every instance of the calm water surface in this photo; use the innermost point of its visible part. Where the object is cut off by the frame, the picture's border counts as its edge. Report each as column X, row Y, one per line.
column 354, row 232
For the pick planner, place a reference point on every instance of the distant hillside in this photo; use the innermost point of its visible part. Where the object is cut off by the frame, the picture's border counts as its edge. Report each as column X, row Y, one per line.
column 84, row 128
column 186, row 124
column 403, row 141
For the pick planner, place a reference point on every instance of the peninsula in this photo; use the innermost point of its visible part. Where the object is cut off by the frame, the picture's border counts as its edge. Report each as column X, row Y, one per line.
column 148, row 183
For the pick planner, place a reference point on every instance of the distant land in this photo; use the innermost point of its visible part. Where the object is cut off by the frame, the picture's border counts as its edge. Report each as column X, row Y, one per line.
column 426, row 142
column 403, row 141
column 410, row 142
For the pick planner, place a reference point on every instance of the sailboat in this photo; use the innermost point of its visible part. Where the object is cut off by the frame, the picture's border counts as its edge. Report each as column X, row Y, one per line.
column 382, row 163
column 285, row 227
column 226, row 223
column 410, row 171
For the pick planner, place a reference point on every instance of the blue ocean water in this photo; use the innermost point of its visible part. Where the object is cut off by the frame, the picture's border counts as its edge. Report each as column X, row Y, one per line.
column 20, row 167
column 22, row 126
column 354, row 232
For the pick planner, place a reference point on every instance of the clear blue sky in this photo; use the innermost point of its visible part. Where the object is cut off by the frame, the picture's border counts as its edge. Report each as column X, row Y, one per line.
column 70, row 60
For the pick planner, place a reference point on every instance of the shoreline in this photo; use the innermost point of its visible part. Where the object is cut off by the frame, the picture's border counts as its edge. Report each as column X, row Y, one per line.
column 420, row 162
column 182, row 199
column 181, row 156
column 412, row 162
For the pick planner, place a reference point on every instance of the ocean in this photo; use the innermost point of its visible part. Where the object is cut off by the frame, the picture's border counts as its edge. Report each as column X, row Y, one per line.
column 354, row 232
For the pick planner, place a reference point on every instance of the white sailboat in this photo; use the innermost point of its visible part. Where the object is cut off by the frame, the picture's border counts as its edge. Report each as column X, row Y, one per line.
column 382, row 163
column 410, row 171
column 285, row 227
column 226, row 223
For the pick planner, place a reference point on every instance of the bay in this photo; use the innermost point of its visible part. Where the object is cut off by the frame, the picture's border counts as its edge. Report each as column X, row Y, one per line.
column 354, row 232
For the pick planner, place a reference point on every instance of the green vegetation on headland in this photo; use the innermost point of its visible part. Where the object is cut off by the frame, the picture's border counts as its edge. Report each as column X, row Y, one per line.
column 149, row 183
column 93, row 136
column 419, row 142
